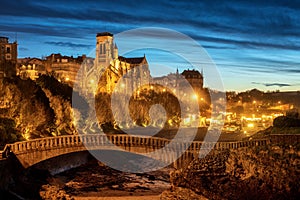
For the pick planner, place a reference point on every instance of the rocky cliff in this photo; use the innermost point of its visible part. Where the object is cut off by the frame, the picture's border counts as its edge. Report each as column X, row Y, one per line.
column 269, row 172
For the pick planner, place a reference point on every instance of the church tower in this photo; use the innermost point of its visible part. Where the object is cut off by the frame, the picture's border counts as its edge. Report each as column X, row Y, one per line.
column 106, row 50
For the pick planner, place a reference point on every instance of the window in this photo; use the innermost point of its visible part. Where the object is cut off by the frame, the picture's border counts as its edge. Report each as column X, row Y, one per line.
column 7, row 49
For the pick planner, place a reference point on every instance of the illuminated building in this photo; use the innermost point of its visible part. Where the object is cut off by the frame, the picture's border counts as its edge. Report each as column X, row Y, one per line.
column 110, row 68
column 8, row 57
column 30, row 68
column 64, row 68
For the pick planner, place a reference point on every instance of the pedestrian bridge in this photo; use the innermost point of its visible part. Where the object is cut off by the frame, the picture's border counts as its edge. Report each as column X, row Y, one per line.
column 34, row 151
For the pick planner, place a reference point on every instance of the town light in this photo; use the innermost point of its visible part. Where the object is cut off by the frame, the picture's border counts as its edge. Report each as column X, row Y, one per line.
column 250, row 125
column 195, row 96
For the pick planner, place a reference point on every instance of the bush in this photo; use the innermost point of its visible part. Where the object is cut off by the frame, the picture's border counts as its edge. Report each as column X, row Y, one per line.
column 284, row 121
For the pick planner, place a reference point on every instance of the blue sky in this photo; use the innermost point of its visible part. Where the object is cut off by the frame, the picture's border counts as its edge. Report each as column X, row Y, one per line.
column 254, row 44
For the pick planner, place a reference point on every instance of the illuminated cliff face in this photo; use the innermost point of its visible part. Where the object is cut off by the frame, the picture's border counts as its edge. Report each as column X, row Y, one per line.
column 31, row 109
column 27, row 105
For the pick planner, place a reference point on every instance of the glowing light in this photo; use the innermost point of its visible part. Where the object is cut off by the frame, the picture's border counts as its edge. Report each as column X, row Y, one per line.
column 195, row 96
column 187, row 121
column 67, row 78
column 250, row 125
column 122, row 85
column 254, row 102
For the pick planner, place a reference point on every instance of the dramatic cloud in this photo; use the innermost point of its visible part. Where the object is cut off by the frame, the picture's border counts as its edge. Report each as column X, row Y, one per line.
column 273, row 84
column 69, row 44
column 254, row 38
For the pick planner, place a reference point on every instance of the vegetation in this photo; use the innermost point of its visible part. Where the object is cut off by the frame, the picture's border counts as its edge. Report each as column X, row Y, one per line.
column 139, row 108
column 8, row 131
column 286, row 122
column 31, row 109
column 24, row 109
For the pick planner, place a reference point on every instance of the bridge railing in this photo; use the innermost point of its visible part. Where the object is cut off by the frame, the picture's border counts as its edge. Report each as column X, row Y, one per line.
column 121, row 140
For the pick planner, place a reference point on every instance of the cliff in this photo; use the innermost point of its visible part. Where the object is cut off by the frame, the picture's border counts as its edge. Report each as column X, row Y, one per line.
column 268, row 172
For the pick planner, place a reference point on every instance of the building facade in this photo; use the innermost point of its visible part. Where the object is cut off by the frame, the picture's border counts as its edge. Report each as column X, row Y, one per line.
column 31, row 68
column 188, row 78
column 110, row 69
column 64, row 68
column 8, row 57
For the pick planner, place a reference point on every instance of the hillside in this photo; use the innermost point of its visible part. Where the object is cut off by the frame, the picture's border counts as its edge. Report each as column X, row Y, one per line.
column 31, row 109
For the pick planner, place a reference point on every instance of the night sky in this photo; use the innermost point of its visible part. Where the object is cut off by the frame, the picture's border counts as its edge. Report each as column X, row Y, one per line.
column 254, row 44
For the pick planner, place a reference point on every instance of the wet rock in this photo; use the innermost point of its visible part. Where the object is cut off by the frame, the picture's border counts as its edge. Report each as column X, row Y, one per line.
column 269, row 172
column 180, row 194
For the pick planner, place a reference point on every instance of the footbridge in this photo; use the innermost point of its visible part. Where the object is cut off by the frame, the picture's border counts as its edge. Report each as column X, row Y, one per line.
column 34, row 151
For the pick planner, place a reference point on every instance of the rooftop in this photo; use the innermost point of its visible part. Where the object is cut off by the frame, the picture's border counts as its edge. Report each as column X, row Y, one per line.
column 191, row 72
column 104, row 34
column 3, row 39
column 136, row 60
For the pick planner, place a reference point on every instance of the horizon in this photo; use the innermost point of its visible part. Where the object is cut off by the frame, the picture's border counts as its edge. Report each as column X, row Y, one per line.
column 254, row 45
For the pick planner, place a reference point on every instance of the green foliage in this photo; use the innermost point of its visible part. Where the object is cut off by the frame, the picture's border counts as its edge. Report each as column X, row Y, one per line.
column 139, row 108
column 8, row 132
column 56, row 88
column 283, row 121
column 27, row 104
column 64, row 91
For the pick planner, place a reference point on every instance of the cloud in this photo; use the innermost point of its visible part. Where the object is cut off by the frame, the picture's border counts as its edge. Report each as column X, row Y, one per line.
column 246, row 37
column 273, row 84
column 23, row 49
column 291, row 70
column 69, row 44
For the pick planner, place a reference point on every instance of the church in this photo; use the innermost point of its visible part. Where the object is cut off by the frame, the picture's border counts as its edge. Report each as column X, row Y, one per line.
column 111, row 68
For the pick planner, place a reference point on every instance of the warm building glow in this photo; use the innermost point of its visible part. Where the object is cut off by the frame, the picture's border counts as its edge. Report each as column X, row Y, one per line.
column 250, row 125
